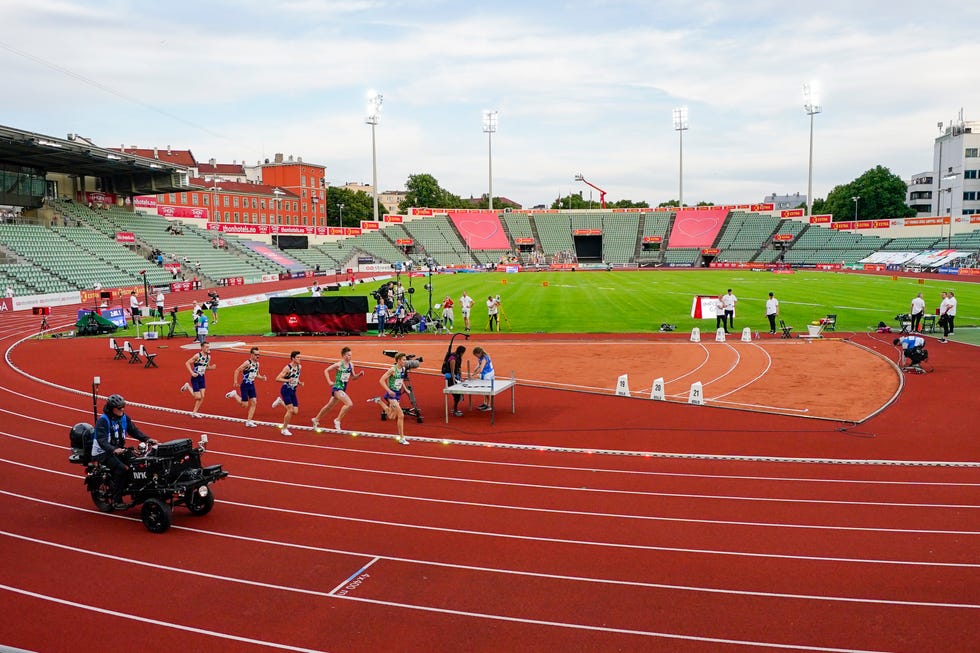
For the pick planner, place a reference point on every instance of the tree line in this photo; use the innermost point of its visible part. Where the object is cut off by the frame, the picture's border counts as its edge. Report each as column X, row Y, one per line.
column 881, row 196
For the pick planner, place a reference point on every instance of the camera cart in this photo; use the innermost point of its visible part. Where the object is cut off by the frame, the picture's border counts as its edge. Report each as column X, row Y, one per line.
column 161, row 477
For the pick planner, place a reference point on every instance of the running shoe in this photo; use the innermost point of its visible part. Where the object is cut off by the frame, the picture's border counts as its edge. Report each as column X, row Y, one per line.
column 316, row 424
column 401, row 440
column 249, row 423
column 277, row 402
column 185, row 388
column 286, row 432
column 484, row 407
column 197, row 415
column 336, row 425
column 457, row 413
column 233, row 395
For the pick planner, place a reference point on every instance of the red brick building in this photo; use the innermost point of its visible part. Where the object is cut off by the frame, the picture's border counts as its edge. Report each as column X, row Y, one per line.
column 283, row 192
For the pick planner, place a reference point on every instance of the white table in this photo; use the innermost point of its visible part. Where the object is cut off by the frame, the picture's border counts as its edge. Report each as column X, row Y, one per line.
column 492, row 388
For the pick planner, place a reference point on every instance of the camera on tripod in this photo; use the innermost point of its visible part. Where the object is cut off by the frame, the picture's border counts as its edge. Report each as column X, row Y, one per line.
column 411, row 360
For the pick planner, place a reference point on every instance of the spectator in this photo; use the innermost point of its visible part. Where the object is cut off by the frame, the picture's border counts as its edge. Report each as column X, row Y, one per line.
column 916, row 311
column 729, row 300
column 134, row 307
column 772, row 310
column 947, row 315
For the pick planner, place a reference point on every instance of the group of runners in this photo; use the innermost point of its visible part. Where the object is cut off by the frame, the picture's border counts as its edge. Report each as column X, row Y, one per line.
column 338, row 375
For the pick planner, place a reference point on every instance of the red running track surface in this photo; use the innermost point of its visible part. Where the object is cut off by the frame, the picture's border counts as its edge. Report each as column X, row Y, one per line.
column 336, row 543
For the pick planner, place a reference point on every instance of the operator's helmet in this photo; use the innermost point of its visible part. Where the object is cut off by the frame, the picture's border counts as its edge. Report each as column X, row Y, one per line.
column 115, row 401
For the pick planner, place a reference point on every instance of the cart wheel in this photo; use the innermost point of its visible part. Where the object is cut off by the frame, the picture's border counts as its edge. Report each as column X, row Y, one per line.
column 102, row 494
column 156, row 516
column 200, row 505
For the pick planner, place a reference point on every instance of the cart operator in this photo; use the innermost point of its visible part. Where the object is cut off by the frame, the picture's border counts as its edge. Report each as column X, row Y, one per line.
column 109, row 443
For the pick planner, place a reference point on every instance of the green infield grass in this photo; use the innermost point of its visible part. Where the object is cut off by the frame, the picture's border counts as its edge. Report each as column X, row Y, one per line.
column 637, row 302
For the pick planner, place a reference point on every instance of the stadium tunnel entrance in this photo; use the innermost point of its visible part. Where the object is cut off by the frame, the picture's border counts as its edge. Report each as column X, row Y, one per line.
column 588, row 249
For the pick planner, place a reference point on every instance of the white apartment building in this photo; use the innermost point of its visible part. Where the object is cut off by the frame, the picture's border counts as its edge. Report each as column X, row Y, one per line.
column 952, row 187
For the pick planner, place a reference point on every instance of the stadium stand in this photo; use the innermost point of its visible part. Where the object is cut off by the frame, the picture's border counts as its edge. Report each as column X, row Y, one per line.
column 653, row 225
column 745, row 235
column 818, row 244
column 72, row 258
column 436, row 237
column 555, row 233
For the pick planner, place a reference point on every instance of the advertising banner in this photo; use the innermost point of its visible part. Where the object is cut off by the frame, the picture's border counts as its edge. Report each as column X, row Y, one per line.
column 145, row 201
column 821, row 219
column 125, row 237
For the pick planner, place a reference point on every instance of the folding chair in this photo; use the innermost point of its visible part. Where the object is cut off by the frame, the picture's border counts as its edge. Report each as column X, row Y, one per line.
column 787, row 330
column 134, row 354
column 120, row 352
column 928, row 324
column 150, row 358
column 830, row 322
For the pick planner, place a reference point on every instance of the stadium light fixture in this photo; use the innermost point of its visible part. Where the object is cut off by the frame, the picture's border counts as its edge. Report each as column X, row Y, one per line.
column 680, row 126
column 374, row 101
column 812, row 108
column 340, row 207
column 856, row 198
column 490, row 128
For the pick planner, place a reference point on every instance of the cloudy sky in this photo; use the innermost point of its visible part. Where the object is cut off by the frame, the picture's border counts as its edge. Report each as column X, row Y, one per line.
column 583, row 86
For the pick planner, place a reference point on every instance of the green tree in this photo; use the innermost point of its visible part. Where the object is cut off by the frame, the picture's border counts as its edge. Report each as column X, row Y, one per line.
column 881, row 196
column 423, row 190
column 358, row 206
column 628, row 204
column 577, row 202
column 498, row 203
column 571, row 201
column 669, row 203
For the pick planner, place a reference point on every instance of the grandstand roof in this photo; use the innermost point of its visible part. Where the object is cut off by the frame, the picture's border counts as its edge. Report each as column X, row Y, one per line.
column 125, row 173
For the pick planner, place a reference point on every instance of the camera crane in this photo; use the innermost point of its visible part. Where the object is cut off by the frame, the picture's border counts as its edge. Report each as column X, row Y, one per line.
column 602, row 193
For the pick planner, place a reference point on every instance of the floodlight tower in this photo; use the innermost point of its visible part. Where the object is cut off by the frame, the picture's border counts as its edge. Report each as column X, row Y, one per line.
column 812, row 108
column 489, row 128
column 373, row 117
column 680, row 126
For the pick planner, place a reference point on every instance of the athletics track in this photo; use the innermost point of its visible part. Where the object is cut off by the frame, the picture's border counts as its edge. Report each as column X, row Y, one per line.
column 707, row 530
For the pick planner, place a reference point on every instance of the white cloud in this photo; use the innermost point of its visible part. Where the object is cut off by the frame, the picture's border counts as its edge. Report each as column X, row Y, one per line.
column 581, row 87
